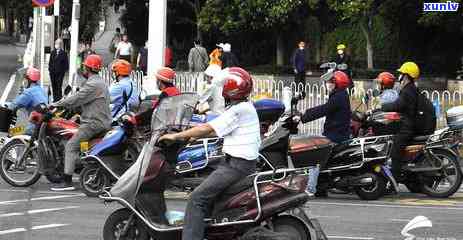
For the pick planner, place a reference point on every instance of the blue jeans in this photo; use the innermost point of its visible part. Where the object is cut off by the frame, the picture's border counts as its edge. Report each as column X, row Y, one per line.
column 313, row 179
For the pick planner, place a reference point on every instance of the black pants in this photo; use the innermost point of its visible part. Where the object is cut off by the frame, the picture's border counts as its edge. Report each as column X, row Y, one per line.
column 228, row 173
column 401, row 140
column 127, row 58
column 299, row 78
column 57, row 85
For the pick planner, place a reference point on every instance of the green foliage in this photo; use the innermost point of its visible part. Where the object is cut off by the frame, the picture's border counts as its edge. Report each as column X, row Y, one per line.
column 91, row 12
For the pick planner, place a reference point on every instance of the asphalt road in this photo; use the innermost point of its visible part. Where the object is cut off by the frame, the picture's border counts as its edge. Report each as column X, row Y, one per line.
column 35, row 213
column 8, row 63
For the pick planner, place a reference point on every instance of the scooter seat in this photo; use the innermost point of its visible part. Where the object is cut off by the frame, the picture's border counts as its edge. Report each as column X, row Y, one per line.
column 240, row 186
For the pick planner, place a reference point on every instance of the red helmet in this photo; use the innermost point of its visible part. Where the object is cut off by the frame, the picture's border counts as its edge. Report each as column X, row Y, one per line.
column 33, row 74
column 94, row 62
column 238, row 84
column 122, row 68
column 386, row 79
column 341, row 80
column 166, row 75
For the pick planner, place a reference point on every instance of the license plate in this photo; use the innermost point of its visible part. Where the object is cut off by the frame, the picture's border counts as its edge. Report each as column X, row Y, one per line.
column 84, row 147
column 17, row 131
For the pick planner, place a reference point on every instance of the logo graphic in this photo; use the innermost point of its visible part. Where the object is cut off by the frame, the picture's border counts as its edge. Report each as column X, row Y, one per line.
column 417, row 222
column 448, row 6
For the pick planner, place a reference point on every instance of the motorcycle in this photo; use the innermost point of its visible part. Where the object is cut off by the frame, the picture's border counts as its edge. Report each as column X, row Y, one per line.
column 430, row 166
column 109, row 157
column 271, row 199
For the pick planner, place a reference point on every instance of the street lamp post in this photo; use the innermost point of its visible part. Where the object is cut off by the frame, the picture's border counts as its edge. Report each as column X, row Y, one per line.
column 156, row 39
column 74, row 41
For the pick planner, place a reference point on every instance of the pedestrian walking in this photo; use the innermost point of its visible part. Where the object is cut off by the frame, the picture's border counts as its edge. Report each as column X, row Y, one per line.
column 58, row 66
column 228, row 58
column 115, row 40
column 215, row 55
column 299, row 63
column 198, row 58
column 124, row 49
column 142, row 59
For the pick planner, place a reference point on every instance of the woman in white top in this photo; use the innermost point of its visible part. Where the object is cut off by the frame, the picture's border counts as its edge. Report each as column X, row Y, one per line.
column 124, row 49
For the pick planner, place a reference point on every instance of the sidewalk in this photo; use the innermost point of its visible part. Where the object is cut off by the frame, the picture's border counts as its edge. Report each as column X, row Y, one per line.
column 101, row 45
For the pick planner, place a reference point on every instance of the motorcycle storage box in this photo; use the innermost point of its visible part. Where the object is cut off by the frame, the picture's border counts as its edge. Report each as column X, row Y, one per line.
column 455, row 118
column 310, row 151
column 6, row 116
column 269, row 109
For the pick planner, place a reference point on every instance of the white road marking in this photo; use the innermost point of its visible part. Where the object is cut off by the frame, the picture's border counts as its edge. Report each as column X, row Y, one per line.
column 400, row 220
column 384, row 206
column 48, row 226
column 16, row 230
column 346, row 237
column 40, row 199
column 7, row 90
column 36, row 211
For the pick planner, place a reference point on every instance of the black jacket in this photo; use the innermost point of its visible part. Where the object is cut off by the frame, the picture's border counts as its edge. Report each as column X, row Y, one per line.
column 58, row 63
column 338, row 116
column 406, row 106
column 229, row 60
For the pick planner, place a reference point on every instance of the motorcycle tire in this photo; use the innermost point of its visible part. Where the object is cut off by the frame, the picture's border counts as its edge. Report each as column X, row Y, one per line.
column 374, row 193
column 55, row 177
column 5, row 166
column 414, row 187
column 429, row 190
column 93, row 180
column 117, row 221
column 295, row 228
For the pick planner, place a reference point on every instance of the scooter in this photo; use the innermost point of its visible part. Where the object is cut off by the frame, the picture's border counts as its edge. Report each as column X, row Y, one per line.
column 271, row 199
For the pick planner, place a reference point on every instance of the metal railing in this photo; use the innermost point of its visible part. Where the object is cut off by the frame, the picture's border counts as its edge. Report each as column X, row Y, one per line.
column 315, row 94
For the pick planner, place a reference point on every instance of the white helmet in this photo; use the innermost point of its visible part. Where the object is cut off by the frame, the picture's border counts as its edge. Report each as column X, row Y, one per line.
column 213, row 70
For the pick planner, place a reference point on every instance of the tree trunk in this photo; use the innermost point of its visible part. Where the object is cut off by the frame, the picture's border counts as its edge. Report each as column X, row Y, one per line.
column 199, row 35
column 367, row 33
column 280, row 50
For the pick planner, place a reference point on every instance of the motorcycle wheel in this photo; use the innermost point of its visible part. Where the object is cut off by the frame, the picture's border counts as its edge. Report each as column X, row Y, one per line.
column 9, row 172
column 292, row 227
column 451, row 177
column 93, row 180
column 375, row 191
column 117, row 221
column 414, row 187
column 55, row 177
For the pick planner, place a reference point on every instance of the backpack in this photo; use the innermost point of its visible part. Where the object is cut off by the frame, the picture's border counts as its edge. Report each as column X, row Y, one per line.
column 425, row 116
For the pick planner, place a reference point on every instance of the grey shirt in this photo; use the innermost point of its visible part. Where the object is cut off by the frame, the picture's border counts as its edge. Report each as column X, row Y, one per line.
column 198, row 59
column 94, row 99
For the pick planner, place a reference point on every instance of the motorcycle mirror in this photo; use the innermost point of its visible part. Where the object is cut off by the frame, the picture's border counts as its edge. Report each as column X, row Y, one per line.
column 342, row 67
column 67, row 90
column 376, row 93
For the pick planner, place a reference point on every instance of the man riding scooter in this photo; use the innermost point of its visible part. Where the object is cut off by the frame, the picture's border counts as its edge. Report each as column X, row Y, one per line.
column 338, row 116
column 124, row 84
column 239, row 126
column 388, row 94
column 31, row 97
column 93, row 99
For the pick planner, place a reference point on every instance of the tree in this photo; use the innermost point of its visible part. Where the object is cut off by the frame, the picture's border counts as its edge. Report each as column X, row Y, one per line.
column 362, row 13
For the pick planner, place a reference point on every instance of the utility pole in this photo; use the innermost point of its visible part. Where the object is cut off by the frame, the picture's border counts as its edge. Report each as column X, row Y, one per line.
column 43, row 14
column 74, row 41
column 56, row 11
column 156, row 38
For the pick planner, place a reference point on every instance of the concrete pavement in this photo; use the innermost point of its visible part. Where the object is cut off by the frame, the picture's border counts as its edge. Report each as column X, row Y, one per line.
column 8, row 64
column 35, row 213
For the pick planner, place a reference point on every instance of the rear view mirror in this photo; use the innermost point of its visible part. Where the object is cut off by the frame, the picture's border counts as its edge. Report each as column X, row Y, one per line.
column 376, row 93
column 342, row 67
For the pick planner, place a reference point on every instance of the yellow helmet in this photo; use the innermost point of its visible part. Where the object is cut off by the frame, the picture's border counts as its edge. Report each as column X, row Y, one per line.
column 341, row 47
column 411, row 69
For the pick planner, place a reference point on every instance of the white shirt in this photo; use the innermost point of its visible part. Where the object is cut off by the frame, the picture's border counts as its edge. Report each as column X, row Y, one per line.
column 125, row 48
column 213, row 94
column 239, row 126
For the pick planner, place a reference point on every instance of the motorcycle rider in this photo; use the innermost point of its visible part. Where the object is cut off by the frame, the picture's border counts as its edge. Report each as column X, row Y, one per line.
column 239, row 126
column 123, row 84
column 406, row 106
column 31, row 97
column 165, row 80
column 93, row 99
column 338, row 116
column 388, row 94
column 213, row 94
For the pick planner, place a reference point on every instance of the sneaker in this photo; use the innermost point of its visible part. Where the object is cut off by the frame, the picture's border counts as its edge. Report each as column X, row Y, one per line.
column 63, row 187
column 311, row 195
